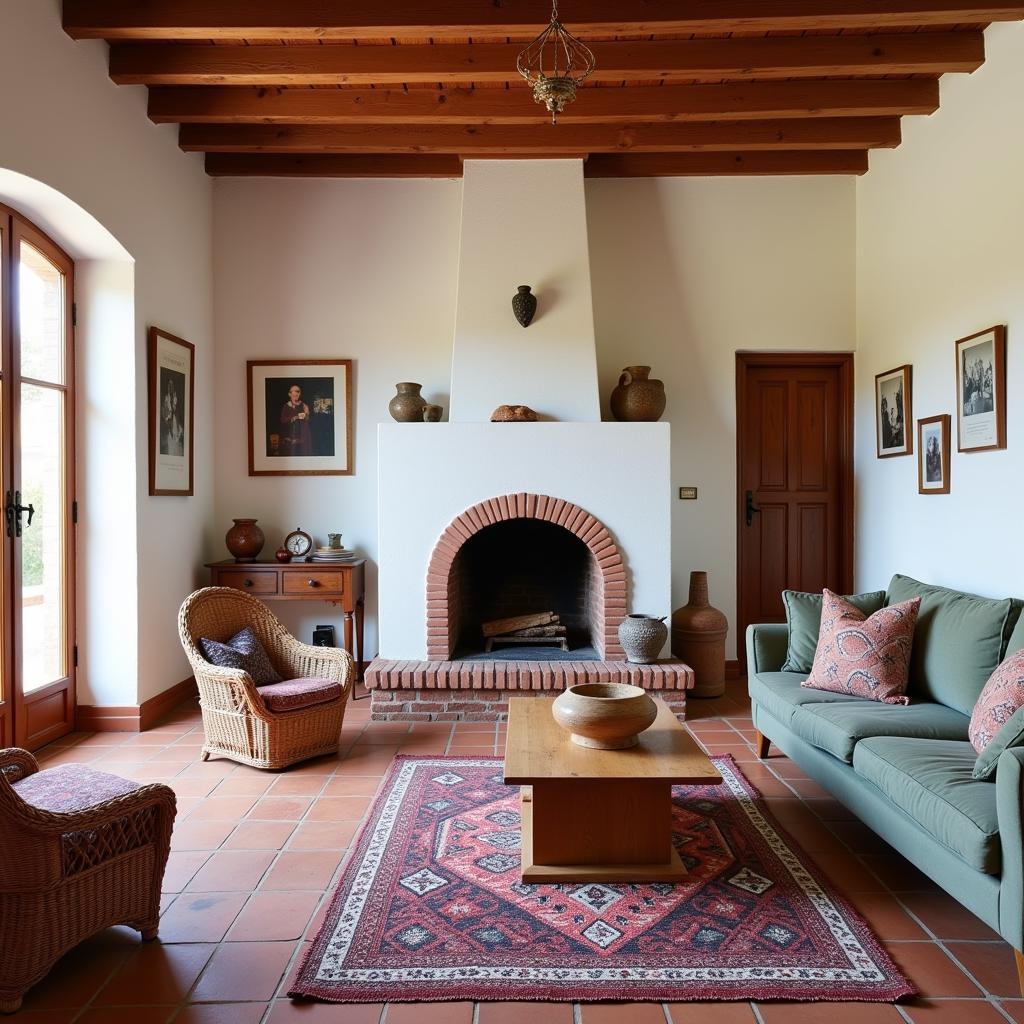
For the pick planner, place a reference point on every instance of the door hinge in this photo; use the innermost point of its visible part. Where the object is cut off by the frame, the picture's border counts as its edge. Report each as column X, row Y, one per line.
column 74, row 314
column 74, row 655
column 74, row 512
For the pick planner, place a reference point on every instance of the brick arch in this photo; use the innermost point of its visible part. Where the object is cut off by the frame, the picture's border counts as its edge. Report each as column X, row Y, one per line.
column 610, row 602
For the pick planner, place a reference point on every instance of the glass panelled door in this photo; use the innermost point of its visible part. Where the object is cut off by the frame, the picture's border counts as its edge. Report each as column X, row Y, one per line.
column 37, row 424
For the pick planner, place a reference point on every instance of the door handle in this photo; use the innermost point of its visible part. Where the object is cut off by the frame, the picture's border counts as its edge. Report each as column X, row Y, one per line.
column 751, row 508
column 13, row 510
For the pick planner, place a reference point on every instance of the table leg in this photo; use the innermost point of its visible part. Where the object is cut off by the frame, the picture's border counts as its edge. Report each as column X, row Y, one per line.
column 348, row 634
column 360, row 609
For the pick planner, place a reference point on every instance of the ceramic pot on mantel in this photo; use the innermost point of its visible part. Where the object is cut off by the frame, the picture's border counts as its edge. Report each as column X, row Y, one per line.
column 637, row 398
column 244, row 540
column 408, row 404
column 698, row 638
column 642, row 638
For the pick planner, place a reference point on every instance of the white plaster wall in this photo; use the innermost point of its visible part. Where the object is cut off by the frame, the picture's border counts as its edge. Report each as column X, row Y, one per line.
column 524, row 222
column 66, row 124
column 348, row 269
column 939, row 257
column 430, row 473
column 686, row 272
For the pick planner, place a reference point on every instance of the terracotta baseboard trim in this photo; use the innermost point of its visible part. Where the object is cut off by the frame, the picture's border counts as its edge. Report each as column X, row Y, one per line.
column 732, row 670
column 133, row 717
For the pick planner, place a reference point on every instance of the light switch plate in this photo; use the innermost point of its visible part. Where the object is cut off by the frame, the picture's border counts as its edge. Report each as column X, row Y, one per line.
column 687, row 493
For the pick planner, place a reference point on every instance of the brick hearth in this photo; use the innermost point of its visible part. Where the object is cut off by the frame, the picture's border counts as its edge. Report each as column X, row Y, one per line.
column 478, row 691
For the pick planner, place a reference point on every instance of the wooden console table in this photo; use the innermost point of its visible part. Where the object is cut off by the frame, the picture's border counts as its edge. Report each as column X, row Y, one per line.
column 339, row 584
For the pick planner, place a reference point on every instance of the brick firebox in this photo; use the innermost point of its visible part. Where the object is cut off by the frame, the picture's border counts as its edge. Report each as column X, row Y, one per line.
column 440, row 689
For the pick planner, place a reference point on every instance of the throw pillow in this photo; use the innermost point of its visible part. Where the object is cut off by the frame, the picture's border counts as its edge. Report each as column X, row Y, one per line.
column 997, row 721
column 242, row 651
column 803, row 617
column 861, row 655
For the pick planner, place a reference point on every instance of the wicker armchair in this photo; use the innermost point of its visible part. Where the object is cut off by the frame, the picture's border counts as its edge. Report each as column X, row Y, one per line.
column 80, row 851
column 238, row 725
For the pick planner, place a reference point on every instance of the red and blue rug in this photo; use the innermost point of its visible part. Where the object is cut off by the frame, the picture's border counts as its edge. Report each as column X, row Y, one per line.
column 430, row 906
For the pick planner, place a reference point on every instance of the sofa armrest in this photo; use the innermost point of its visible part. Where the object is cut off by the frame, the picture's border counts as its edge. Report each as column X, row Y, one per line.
column 767, row 643
column 1010, row 810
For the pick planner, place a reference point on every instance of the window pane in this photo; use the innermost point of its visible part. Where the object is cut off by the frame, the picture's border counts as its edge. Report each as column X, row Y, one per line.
column 41, row 316
column 43, row 651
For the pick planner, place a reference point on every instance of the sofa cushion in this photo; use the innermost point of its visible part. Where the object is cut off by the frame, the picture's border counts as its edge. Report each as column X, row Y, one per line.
column 243, row 651
column 931, row 781
column 71, row 787
column 1016, row 641
column 959, row 640
column 838, row 728
column 780, row 694
column 997, row 722
column 293, row 694
column 803, row 619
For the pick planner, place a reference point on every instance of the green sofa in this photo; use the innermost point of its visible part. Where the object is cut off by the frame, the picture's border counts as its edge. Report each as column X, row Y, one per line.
column 907, row 771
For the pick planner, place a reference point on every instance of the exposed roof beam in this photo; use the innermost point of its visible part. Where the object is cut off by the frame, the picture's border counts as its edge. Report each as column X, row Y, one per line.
column 842, row 133
column 349, row 19
column 639, row 105
column 332, row 165
column 688, row 59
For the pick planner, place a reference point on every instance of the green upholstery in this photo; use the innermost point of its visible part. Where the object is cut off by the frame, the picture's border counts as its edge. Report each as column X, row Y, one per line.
column 781, row 693
column 931, row 781
column 803, row 618
column 766, row 646
column 1010, row 735
column 958, row 641
column 1016, row 642
column 839, row 727
column 1009, row 789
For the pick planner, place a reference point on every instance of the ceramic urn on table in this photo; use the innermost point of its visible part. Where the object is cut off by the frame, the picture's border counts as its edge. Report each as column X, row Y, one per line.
column 606, row 716
column 698, row 638
column 244, row 540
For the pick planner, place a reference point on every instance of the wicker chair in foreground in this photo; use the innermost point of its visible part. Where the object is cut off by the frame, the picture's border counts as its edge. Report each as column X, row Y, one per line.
column 269, row 726
column 80, row 851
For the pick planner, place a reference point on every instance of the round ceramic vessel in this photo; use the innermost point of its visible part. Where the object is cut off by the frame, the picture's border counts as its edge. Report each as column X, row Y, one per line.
column 607, row 716
column 244, row 540
column 642, row 638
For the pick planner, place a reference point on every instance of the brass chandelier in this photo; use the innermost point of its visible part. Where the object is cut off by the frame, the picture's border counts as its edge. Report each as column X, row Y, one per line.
column 554, row 64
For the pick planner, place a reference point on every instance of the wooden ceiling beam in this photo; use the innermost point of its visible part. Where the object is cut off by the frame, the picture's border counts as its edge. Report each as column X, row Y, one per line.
column 315, row 20
column 844, row 133
column 334, row 165
column 685, row 59
column 640, row 105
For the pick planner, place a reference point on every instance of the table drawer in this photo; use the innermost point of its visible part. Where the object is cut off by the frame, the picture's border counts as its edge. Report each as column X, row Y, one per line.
column 327, row 582
column 255, row 581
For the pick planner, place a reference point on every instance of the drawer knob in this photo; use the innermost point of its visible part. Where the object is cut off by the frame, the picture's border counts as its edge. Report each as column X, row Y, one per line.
column 248, row 582
column 313, row 583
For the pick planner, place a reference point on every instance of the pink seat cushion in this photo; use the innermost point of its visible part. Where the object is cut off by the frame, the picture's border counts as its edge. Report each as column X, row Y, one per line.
column 292, row 694
column 71, row 787
column 864, row 656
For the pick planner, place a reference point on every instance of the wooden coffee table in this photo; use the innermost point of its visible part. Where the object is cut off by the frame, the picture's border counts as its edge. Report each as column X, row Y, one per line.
column 599, row 815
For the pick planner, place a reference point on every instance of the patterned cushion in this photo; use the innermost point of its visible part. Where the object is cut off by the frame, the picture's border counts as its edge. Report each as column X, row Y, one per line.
column 242, row 651
column 995, row 722
column 71, row 787
column 864, row 656
column 292, row 694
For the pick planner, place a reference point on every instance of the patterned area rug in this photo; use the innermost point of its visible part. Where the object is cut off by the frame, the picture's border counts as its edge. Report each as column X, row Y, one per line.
column 431, row 907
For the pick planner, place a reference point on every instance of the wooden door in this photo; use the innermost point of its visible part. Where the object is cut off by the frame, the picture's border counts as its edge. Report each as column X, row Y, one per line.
column 794, row 480
column 37, row 455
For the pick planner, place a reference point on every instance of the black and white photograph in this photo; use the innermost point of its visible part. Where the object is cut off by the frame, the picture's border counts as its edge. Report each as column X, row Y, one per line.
column 300, row 417
column 893, row 416
column 933, row 454
column 171, row 413
column 981, row 390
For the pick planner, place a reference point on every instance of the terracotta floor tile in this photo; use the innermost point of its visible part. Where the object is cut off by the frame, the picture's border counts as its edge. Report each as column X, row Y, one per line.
column 1015, row 1008
column 222, row 1013
column 270, row 916
column 284, row 1011
column 525, row 1013
column 953, row 1011
column 181, row 867
column 338, row 808
column 245, row 785
column 946, row 917
column 323, row 835
column 244, row 971
column 193, row 788
column 280, row 808
column 302, row 869
column 200, row 835
column 156, row 973
column 223, row 808
column 928, row 967
column 80, row 974
column 472, row 751
column 623, row 1013
column 991, row 963
column 898, row 873
column 430, row 1013
column 231, row 871
column 848, row 873
column 259, row 835
column 830, row 810
column 711, row 1013
column 298, row 785
column 356, row 786
column 887, row 918
column 127, row 1015
column 201, row 917
column 834, row 1013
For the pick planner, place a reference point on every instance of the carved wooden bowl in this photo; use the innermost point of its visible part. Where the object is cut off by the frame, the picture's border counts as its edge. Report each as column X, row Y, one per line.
column 608, row 716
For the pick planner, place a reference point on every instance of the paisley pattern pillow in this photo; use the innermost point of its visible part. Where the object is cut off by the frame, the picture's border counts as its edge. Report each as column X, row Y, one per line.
column 1002, row 696
column 864, row 656
column 242, row 651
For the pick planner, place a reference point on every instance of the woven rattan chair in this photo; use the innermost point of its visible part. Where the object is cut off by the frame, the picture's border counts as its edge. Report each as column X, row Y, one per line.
column 80, row 851
column 238, row 723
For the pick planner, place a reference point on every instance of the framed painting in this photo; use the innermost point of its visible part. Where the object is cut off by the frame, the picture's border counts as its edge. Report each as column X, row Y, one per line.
column 933, row 441
column 171, row 414
column 300, row 417
column 893, row 416
column 981, row 391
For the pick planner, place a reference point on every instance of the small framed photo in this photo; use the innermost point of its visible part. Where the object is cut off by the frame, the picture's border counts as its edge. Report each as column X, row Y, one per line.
column 933, row 440
column 981, row 391
column 300, row 417
column 171, row 413
column 893, row 416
